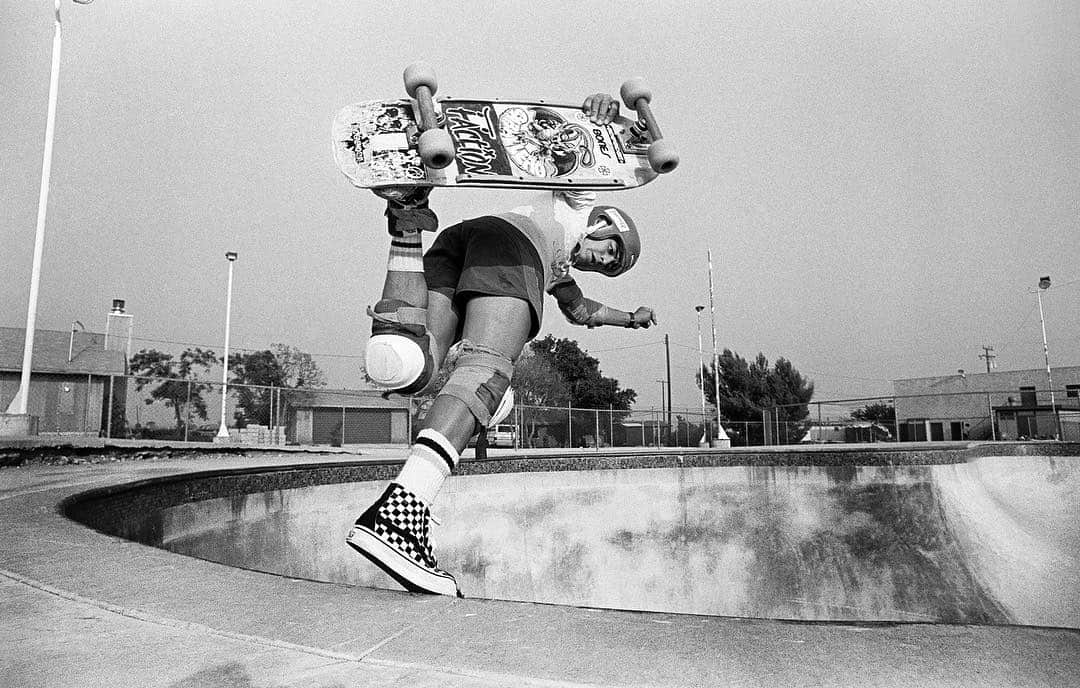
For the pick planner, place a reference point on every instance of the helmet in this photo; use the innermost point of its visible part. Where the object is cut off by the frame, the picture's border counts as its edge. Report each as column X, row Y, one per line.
column 620, row 227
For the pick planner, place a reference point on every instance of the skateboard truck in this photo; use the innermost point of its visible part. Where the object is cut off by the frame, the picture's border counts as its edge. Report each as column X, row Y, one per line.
column 434, row 145
column 636, row 95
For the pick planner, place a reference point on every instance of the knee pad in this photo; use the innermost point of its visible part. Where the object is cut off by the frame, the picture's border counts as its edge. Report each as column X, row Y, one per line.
column 398, row 355
column 504, row 408
column 480, row 379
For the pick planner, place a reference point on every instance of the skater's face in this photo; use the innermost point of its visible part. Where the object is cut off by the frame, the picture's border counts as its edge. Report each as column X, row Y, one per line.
column 596, row 255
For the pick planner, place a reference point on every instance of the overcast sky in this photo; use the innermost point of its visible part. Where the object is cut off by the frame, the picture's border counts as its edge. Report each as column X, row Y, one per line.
column 881, row 184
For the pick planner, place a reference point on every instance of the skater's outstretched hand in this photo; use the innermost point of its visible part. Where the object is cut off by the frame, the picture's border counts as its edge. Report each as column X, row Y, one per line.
column 601, row 108
column 642, row 317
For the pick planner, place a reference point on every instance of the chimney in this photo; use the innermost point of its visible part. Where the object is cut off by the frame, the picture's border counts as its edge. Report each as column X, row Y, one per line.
column 119, row 326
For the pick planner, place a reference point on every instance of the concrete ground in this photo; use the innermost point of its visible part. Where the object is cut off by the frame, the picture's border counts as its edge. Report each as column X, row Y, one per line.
column 84, row 609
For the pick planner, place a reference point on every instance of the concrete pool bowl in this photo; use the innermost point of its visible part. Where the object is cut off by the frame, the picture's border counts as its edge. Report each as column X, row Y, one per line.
column 699, row 559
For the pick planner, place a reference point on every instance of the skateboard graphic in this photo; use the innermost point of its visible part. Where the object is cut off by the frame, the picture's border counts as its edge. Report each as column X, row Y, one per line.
column 475, row 142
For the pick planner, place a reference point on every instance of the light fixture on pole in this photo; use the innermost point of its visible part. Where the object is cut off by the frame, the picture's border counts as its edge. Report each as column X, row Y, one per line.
column 223, row 429
column 701, row 370
column 18, row 404
column 1044, row 284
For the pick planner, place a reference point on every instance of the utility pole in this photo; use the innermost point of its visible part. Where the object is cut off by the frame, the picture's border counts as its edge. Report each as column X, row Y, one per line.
column 667, row 353
column 988, row 356
column 660, row 420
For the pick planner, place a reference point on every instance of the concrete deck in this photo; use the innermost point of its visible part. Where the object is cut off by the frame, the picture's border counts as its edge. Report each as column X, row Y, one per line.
column 85, row 609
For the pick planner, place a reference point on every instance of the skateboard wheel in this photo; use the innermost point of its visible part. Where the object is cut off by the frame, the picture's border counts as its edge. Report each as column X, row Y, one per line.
column 435, row 148
column 662, row 157
column 634, row 90
column 420, row 74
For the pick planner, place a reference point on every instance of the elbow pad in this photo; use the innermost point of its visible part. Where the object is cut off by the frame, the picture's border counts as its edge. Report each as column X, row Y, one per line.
column 573, row 304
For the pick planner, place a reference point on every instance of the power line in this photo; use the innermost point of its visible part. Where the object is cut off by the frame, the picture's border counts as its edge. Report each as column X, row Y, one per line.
column 244, row 349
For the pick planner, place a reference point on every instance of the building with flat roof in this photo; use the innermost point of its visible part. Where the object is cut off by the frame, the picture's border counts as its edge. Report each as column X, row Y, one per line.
column 340, row 417
column 1010, row 404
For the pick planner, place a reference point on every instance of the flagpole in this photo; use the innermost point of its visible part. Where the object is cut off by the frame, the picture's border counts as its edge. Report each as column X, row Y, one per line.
column 721, row 436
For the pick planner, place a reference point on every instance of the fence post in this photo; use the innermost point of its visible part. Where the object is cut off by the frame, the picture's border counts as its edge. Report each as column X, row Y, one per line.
column 597, row 442
column 187, row 412
column 108, row 423
column 86, row 404
column 569, row 425
column 611, row 424
column 896, row 420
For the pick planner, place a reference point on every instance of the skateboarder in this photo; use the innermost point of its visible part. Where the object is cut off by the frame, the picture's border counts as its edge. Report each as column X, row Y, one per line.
column 477, row 294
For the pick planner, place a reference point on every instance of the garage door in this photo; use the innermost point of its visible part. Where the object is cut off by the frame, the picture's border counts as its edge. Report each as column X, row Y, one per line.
column 367, row 426
column 361, row 426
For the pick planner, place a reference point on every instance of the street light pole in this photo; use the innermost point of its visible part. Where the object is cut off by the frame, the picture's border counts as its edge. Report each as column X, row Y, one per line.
column 18, row 405
column 1044, row 284
column 701, row 370
column 223, row 429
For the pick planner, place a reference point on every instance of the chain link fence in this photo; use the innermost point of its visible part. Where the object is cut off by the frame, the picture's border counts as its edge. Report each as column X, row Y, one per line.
column 175, row 410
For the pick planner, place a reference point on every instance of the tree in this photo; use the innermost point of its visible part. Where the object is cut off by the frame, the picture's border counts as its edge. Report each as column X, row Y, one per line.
column 255, row 375
column 538, row 383
column 557, row 373
column 588, row 388
column 298, row 367
column 177, row 382
column 878, row 412
column 749, row 388
column 259, row 373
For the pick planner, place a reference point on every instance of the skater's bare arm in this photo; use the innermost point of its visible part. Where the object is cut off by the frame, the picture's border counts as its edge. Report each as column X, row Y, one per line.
column 581, row 310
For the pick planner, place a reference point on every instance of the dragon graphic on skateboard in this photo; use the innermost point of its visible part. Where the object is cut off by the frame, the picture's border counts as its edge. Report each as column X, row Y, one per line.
column 498, row 143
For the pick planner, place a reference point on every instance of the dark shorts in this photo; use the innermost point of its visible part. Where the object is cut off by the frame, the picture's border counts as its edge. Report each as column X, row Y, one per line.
column 486, row 256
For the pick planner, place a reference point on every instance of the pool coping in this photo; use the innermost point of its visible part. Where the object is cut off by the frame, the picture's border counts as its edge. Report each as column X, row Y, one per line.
column 365, row 636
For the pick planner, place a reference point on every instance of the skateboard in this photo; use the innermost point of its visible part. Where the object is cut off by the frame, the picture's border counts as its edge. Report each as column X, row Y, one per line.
column 472, row 142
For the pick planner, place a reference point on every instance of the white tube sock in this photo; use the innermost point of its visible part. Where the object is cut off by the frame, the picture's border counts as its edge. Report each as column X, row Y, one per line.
column 431, row 460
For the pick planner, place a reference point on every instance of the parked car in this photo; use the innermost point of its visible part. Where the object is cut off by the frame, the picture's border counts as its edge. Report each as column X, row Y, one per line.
column 502, row 436
column 498, row 436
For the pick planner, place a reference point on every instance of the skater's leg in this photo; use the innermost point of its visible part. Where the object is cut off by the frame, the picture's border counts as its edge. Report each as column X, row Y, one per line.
column 494, row 333
column 499, row 325
column 394, row 532
column 443, row 321
column 398, row 355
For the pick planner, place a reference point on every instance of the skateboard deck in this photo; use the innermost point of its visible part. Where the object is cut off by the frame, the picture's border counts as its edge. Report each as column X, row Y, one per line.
column 496, row 143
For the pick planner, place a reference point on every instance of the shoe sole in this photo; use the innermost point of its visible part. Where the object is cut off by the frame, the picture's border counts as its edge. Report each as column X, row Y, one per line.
column 398, row 566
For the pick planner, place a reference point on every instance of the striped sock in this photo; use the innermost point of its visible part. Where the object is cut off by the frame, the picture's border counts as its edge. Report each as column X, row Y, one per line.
column 431, row 460
column 406, row 253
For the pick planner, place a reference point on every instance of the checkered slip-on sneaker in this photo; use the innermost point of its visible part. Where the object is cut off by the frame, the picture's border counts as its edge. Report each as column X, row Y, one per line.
column 393, row 534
